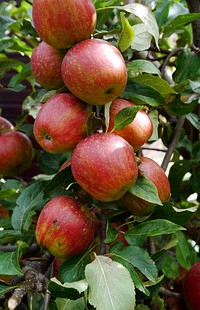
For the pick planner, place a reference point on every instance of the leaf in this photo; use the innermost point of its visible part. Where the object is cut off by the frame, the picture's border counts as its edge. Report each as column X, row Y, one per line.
column 152, row 228
column 161, row 12
column 67, row 290
column 8, row 193
column 179, row 21
column 140, row 259
column 194, row 120
column 178, row 107
column 187, row 67
column 67, row 304
column 125, row 116
column 7, row 236
column 176, row 174
column 10, row 261
column 73, row 269
column 5, row 288
column 139, row 66
column 155, row 120
column 184, row 253
column 127, row 34
column 107, row 114
column 145, row 15
column 142, row 40
column 143, row 94
column 110, row 285
column 145, row 189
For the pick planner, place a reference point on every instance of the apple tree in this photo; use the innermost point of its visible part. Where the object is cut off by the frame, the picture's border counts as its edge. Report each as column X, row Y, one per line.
column 99, row 210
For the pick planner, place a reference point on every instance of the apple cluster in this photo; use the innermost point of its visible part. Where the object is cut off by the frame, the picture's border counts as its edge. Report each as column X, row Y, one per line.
column 93, row 73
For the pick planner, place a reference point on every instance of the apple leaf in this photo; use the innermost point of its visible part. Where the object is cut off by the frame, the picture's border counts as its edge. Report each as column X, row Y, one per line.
column 67, row 290
column 145, row 189
column 7, row 236
column 184, row 255
column 10, row 261
column 141, row 66
column 145, row 15
column 127, row 34
column 125, row 116
column 179, row 21
column 73, row 268
column 142, row 40
column 142, row 93
column 5, row 288
column 8, row 193
column 106, row 288
column 67, row 304
column 155, row 121
column 140, row 259
column 151, row 228
column 107, row 114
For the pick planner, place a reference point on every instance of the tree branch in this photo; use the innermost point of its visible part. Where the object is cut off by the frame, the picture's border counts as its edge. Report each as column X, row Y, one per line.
column 194, row 7
column 173, row 143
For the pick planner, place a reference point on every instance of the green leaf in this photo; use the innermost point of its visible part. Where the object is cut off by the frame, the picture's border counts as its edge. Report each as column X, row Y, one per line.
column 111, row 235
column 156, row 82
column 5, row 288
column 176, row 174
column 187, row 67
column 140, row 259
column 125, row 116
column 127, row 34
column 10, row 261
column 170, row 267
column 8, row 193
column 143, row 94
column 8, row 236
column 161, row 11
column 184, row 253
column 145, row 189
column 179, row 21
column 67, row 290
column 106, row 288
column 145, row 15
column 178, row 107
column 139, row 66
column 154, row 114
column 152, row 228
column 67, row 304
column 73, row 269
column 194, row 120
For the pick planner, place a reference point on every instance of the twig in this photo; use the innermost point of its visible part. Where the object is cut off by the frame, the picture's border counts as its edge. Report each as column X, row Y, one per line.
column 164, row 291
column 47, row 297
column 173, row 53
column 173, row 143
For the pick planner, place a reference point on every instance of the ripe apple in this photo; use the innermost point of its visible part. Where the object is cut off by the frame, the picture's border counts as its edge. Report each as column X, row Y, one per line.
column 152, row 171
column 94, row 71
column 61, row 123
column 65, row 227
column 191, row 287
column 16, row 151
column 104, row 165
column 46, row 66
column 63, row 23
column 136, row 133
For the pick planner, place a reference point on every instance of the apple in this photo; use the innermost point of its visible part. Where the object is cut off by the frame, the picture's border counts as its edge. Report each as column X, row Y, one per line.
column 138, row 131
column 121, row 228
column 191, row 287
column 46, row 66
column 94, row 71
column 65, row 227
column 16, row 151
column 152, row 171
column 63, row 23
column 61, row 123
column 104, row 165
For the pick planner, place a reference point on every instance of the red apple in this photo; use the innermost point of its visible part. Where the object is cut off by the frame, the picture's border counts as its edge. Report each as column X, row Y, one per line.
column 136, row 133
column 46, row 66
column 121, row 228
column 62, row 23
column 61, row 123
column 65, row 227
column 152, row 171
column 191, row 287
column 94, row 71
column 16, row 151
column 104, row 165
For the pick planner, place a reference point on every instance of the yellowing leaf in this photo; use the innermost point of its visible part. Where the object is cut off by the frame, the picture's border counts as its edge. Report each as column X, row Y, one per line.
column 127, row 34
column 110, row 285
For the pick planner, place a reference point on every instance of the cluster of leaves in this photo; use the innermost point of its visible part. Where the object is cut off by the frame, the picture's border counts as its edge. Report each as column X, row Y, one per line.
column 163, row 75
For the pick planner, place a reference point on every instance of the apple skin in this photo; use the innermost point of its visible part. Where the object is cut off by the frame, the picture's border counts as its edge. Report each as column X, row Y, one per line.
column 16, row 151
column 46, row 66
column 152, row 171
column 64, row 23
column 191, row 287
column 136, row 133
column 65, row 227
column 94, row 71
column 104, row 165
column 61, row 123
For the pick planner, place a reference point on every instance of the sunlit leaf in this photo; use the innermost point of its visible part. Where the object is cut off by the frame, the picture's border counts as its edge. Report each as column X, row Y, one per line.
column 127, row 34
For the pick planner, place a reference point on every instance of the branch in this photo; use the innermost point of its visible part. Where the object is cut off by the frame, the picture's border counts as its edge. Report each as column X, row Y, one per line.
column 194, row 7
column 173, row 143
column 173, row 53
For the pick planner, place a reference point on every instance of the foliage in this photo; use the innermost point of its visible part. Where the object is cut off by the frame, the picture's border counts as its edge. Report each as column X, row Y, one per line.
column 164, row 77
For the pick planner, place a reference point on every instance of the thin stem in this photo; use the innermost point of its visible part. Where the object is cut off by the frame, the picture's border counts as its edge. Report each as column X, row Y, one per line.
column 173, row 53
column 173, row 143
column 47, row 298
